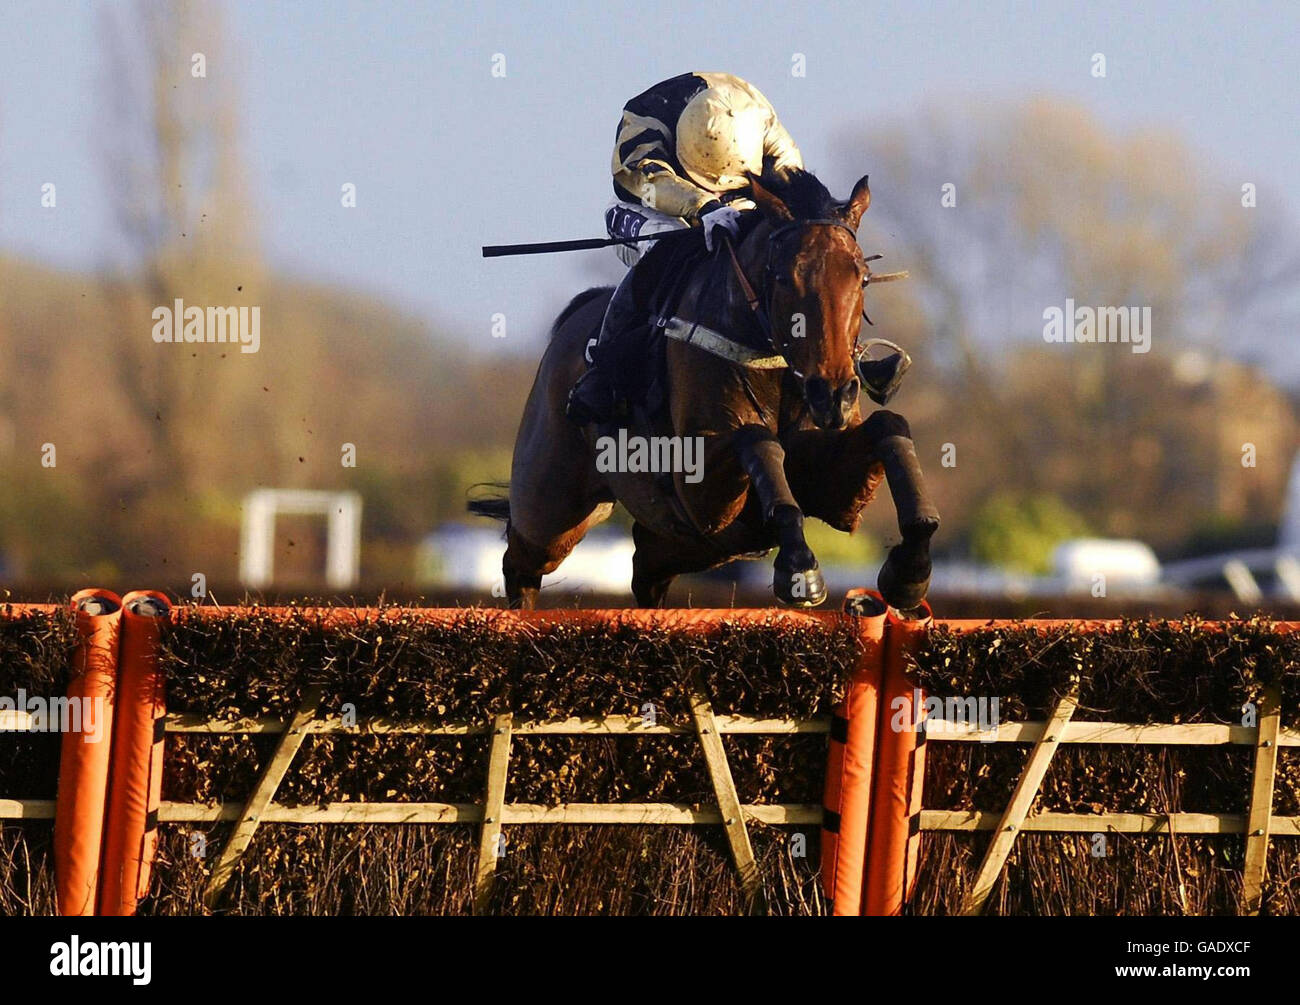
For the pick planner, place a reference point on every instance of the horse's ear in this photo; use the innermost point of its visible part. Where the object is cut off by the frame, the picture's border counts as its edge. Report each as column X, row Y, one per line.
column 858, row 203
column 770, row 204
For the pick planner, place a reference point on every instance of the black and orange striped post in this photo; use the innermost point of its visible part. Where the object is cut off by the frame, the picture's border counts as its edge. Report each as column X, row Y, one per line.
column 895, row 836
column 135, row 790
column 846, row 810
column 85, row 751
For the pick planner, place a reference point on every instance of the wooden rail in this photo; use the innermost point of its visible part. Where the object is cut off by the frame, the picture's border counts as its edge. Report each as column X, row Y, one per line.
column 1258, row 826
column 493, row 812
column 1013, row 817
column 1119, row 733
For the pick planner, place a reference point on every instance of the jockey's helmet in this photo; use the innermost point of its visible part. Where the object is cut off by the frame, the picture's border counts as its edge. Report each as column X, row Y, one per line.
column 720, row 138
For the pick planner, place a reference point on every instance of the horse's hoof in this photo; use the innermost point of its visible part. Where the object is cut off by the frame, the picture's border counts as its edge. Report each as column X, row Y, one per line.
column 799, row 588
column 904, row 579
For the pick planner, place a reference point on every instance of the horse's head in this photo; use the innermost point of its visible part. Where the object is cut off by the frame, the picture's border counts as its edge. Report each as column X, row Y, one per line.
column 813, row 284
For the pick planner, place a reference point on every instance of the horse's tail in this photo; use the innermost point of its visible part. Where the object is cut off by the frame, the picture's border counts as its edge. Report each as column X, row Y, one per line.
column 495, row 506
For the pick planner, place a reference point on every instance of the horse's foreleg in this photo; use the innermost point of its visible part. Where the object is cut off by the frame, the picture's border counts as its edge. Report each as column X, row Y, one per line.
column 796, row 577
column 904, row 579
column 836, row 475
column 892, row 446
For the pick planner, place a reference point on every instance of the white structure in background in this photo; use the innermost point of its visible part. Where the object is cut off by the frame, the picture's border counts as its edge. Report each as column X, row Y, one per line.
column 1128, row 566
column 342, row 511
column 467, row 557
column 1288, row 535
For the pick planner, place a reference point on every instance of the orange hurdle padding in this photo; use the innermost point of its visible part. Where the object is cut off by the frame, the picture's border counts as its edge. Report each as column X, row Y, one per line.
column 895, row 836
column 847, row 803
column 135, row 786
column 85, row 753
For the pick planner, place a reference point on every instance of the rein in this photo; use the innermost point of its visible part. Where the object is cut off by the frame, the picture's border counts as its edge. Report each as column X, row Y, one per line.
column 761, row 310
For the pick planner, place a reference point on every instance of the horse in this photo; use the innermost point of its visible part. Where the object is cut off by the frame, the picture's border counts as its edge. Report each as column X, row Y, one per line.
column 780, row 428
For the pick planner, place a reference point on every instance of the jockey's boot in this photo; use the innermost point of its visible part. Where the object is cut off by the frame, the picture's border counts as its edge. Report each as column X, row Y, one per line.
column 600, row 394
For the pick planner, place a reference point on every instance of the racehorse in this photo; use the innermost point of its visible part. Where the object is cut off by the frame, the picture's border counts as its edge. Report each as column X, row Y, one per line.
column 778, row 416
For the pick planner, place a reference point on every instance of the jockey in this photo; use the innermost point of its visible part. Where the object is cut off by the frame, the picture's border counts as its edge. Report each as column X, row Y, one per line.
column 682, row 156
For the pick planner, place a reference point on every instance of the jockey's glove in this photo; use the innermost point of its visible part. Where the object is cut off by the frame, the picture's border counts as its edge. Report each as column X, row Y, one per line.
column 717, row 215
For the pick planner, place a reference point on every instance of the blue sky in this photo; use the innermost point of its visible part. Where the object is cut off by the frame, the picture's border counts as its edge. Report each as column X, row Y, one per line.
column 399, row 99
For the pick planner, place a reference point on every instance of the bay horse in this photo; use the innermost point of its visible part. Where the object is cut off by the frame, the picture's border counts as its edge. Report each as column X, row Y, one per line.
column 782, row 434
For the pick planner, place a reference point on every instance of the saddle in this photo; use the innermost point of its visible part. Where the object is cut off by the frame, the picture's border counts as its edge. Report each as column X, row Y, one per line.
column 659, row 282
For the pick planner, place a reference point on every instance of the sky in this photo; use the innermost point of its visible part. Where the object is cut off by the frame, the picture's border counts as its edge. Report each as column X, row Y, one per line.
column 400, row 100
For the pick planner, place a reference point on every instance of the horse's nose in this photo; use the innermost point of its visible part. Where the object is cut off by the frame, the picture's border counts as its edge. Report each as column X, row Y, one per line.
column 830, row 407
column 818, row 392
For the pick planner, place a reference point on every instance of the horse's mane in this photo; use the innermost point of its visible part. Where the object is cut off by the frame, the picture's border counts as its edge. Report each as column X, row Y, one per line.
column 801, row 191
column 575, row 304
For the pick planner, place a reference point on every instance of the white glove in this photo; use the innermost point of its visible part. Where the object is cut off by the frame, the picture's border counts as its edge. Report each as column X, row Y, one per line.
column 723, row 217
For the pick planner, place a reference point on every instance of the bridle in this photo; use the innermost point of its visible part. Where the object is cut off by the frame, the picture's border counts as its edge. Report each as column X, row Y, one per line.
column 761, row 306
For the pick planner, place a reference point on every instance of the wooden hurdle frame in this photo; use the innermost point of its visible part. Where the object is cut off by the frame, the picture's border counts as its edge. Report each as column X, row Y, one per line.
column 1258, row 825
column 493, row 811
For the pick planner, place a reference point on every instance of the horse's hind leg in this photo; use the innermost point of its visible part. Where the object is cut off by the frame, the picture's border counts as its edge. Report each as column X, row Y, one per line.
column 555, row 496
column 522, row 567
column 657, row 561
column 526, row 561
column 541, row 553
column 651, row 572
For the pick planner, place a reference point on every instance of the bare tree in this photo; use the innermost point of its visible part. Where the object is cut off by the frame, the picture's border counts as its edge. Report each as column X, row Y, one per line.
column 1000, row 212
column 1049, row 204
column 170, row 153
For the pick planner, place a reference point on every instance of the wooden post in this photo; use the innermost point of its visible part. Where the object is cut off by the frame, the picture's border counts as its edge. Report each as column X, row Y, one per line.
column 263, row 793
column 1021, row 800
column 724, row 790
column 1259, row 818
column 489, row 849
